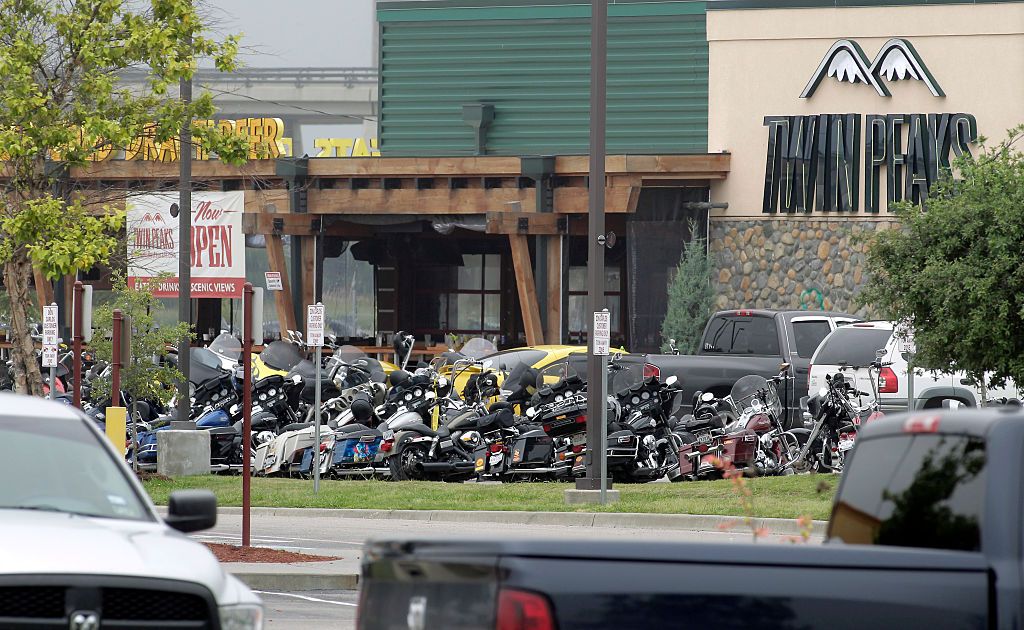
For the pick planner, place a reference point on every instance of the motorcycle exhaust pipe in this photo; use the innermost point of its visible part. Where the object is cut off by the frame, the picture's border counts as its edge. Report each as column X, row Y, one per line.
column 445, row 466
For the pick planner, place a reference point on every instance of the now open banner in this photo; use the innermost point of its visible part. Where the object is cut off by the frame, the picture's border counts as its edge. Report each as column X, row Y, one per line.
column 217, row 243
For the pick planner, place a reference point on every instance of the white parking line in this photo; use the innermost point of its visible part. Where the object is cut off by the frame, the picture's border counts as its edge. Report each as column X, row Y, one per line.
column 308, row 599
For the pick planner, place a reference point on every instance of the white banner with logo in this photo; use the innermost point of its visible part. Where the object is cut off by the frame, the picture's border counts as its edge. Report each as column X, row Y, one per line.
column 218, row 245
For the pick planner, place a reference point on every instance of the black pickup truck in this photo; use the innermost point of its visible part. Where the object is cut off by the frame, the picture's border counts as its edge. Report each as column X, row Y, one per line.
column 926, row 532
column 741, row 342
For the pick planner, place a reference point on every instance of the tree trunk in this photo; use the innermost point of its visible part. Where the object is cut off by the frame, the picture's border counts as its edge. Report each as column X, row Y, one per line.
column 27, row 377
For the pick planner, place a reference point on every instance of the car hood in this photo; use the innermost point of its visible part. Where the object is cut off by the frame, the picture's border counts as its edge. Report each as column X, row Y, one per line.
column 55, row 543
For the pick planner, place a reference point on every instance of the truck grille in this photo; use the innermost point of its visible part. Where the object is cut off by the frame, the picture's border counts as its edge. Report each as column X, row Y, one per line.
column 48, row 601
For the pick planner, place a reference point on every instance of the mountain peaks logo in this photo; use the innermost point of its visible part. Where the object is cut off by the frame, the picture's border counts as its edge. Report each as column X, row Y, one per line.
column 898, row 60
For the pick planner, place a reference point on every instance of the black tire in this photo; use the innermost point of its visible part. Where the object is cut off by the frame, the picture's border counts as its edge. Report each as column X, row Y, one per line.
column 401, row 463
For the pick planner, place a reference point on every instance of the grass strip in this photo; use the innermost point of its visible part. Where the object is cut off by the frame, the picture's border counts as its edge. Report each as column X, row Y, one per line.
column 772, row 497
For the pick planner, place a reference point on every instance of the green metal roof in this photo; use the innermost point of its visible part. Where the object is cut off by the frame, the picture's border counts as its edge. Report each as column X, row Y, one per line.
column 531, row 61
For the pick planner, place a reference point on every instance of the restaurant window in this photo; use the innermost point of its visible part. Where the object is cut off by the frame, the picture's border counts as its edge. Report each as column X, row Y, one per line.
column 462, row 299
column 578, row 300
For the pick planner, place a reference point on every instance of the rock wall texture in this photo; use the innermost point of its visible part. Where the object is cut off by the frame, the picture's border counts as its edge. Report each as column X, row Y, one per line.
column 791, row 263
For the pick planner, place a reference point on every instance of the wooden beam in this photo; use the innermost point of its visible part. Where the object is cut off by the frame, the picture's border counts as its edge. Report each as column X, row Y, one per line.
column 553, row 331
column 527, row 289
column 282, row 298
column 536, row 223
column 44, row 288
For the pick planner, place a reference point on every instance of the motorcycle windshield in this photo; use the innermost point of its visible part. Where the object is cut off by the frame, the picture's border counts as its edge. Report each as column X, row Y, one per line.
column 281, row 355
column 357, row 368
column 624, row 376
column 205, row 366
column 753, row 394
column 477, row 348
column 227, row 346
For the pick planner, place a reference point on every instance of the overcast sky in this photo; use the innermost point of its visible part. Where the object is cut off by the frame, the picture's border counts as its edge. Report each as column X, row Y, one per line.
column 298, row 33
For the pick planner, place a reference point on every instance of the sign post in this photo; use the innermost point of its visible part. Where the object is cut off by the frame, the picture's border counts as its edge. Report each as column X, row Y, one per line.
column 50, row 342
column 315, row 339
column 247, row 326
column 77, row 338
column 602, row 341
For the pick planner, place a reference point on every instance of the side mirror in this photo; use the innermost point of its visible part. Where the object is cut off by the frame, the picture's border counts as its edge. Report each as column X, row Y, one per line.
column 191, row 510
column 671, row 380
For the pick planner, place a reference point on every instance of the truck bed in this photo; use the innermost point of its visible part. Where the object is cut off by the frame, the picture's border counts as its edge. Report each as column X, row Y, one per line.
column 632, row 584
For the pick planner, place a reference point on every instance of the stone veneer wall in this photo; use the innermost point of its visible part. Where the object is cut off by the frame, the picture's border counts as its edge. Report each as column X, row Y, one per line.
column 787, row 263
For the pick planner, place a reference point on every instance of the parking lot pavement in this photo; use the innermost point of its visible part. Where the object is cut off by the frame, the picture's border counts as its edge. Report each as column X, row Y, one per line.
column 301, row 610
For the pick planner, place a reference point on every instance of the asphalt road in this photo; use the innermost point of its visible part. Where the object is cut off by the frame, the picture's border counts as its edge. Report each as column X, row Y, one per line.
column 327, row 610
column 344, row 537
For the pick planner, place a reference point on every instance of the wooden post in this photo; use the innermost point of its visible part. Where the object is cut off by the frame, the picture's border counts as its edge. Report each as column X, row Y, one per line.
column 308, row 272
column 282, row 298
column 553, row 332
column 44, row 289
column 527, row 289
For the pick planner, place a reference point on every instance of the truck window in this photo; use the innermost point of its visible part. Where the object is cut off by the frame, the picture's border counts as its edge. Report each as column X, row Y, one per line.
column 729, row 334
column 923, row 490
column 852, row 346
column 807, row 335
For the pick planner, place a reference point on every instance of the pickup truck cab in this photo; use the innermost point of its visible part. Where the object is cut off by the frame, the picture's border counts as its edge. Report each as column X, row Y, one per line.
column 926, row 532
column 741, row 342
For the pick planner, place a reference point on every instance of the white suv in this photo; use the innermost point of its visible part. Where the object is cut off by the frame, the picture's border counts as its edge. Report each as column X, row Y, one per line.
column 84, row 547
column 854, row 346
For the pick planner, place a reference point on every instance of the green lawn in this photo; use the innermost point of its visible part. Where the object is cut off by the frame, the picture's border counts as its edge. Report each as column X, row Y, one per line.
column 781, row 497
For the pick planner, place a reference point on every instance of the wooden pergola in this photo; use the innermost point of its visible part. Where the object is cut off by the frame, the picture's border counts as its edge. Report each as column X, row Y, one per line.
column 520, row 197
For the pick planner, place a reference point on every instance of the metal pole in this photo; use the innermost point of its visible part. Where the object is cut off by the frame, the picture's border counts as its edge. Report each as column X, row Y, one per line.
column 77, row 339
column 604, row 438
column 185, row 247
column 595, row 235
column 910, row 384
column 316, row 420
column 115, row 359
column 247, row 296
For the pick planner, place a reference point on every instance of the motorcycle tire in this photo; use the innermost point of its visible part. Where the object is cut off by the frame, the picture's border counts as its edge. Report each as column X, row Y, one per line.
column 399, row 463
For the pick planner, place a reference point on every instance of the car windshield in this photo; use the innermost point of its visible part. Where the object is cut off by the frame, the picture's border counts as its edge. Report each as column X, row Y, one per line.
column 62, row 467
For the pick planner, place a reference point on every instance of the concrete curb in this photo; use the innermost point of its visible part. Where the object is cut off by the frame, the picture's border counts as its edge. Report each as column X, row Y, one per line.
column 609, row 520
column 278, row 581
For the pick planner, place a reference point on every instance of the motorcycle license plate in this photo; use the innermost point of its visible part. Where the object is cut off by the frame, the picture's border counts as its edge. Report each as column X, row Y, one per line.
column 579, row 439
column 845, row 445
column 704, row 438
column 446, row 444
column 388, row 435
column 496, row 458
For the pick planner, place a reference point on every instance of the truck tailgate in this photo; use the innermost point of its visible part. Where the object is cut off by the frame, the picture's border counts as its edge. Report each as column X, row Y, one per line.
column 614, row 584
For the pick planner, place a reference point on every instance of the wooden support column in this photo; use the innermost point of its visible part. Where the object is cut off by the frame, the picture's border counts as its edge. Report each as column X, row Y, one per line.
column 553, row 330
column 44, row 288
column 282, row 298
column 527, row 289
column 308, row 275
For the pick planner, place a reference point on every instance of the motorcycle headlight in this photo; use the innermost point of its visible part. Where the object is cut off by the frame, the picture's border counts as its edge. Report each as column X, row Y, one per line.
column 241, row 617
column 408, row 396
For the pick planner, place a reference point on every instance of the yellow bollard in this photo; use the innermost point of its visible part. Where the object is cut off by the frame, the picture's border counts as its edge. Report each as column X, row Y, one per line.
column 117, row 420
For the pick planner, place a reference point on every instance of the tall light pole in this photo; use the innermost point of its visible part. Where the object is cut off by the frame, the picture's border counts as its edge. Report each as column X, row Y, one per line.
column 595, row 243
column 185, row 247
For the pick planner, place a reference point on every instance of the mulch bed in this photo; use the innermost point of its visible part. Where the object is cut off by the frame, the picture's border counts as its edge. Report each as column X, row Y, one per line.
column 233, row 553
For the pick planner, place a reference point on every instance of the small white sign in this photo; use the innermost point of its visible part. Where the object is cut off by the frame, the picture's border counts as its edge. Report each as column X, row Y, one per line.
column 50, row 325
column 602, row 332
column 274, row 281
column 315, row 325
column 50, row 356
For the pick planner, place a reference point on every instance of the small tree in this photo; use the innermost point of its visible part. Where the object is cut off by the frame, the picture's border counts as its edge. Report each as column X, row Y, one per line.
column 954, row 273
column 690, row 298
column 143, row 378
column 62, row 104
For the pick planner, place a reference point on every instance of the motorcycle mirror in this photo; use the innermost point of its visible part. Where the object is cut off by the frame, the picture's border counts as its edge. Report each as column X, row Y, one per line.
column 531, row 412
column 296, row 379
column 671, row 380
column 442, row 381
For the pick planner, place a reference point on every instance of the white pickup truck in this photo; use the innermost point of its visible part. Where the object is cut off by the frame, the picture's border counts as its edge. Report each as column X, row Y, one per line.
column 851, row 348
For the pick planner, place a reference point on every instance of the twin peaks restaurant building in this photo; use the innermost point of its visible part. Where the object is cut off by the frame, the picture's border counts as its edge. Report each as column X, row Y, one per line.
column 808, row 118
